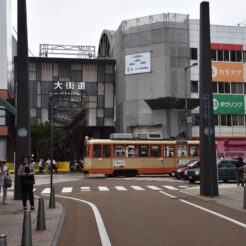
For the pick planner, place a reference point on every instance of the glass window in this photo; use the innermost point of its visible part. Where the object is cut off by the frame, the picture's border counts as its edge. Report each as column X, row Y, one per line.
column 143, row 150
column 193, row 53
column 240, row 88
column 155, row 150
column 226, row 55
column 220, row 55
column 213, row 55
column 233, row 55
column 131, row 150
column 182, row 150
column 227, row 88
column 216, row 119
column 223, row 120
column 196, row 119
column 244, row 56
column 194, row 86
column 97, row 150
column 119, row 150
column 106, row 150
column 233, row 88
column 240, row 120
column 194, row 150
column 221, row 87
column 214, row 87
column 239, row 55
column 169, row 151
column 235, row 120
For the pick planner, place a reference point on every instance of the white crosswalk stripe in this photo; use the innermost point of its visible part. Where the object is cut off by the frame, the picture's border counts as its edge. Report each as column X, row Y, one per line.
column 152, row 187
column 103, row 188
column 136, row 187
column 169, row 187
column 85, row 188
column 120, row 188
column 67, row 189
column 46, row 191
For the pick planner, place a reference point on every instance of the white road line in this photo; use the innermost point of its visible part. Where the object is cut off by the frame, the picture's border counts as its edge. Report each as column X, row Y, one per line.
column 169, row 187
column 85, row 188
column 183, row 186
column 152, row 187
column 103, row 188
column 46, row 191
column 100, row 225
column 67, row 189
column 120, row 188
column 208, row 211
column 136, row 187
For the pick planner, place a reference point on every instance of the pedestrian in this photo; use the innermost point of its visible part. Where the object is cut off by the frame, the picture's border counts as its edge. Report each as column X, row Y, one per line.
column 26, row 172
column 54, row 166
column 40, row 166
column 3, row 174
column 240, row 171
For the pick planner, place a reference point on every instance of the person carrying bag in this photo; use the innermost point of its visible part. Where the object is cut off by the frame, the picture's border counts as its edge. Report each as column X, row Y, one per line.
column 26, row 172
column 3, row 177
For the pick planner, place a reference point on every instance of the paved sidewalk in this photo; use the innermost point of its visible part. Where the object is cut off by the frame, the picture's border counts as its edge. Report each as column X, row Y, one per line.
column 230, row 195
column 11, row 221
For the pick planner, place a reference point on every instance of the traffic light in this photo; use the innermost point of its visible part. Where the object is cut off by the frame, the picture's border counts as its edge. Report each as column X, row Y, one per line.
column 52, row 111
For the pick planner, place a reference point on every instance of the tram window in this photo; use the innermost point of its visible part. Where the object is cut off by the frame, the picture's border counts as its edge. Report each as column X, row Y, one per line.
column 182, row 150
column 143, row 150
column 97, row 150
column 119, row 150
column 169, row 151
column 194, row 150
column 131, row 151
column 155, row 150
column 106, row 151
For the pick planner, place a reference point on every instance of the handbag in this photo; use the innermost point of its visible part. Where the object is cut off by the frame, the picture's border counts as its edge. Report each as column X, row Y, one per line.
column 7, row 181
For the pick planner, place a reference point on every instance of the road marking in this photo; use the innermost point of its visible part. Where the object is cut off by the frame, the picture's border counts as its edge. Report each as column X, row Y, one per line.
column 208, row 210
column 183, row 186
column 152, row 187
column 169, row 187
column 120, row 188
column 46, row 191
column 100, row 225
column 136, row 187
column 67, row 189
column 103, row 188
column 85, row 188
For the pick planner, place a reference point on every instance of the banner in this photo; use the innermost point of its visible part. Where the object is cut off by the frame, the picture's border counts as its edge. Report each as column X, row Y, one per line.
column 227, row 72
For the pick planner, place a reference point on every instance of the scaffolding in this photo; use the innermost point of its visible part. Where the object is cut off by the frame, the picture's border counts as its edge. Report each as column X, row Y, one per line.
column 71, row 51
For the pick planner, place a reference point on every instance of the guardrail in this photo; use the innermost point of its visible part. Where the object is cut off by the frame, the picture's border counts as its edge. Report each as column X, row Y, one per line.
column 62, row 166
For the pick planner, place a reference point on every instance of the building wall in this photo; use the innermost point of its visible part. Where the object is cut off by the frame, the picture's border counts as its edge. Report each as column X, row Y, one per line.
column 166, row 37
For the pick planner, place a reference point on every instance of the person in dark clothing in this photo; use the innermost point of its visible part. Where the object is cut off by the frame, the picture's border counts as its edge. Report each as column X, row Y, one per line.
column 240, row 171
column 26, row 172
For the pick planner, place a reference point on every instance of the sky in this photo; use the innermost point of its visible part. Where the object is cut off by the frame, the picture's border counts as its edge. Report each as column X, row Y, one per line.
column 80, row 22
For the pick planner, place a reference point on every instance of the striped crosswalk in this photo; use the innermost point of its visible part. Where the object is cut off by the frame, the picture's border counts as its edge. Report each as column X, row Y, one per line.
column 115, row 188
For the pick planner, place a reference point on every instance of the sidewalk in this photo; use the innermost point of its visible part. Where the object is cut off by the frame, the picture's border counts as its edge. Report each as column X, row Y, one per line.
column 230, row 195
column 11, row 221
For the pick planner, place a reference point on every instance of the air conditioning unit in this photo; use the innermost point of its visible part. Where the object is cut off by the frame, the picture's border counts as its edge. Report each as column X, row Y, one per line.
column 151, row 136
column 120, row 136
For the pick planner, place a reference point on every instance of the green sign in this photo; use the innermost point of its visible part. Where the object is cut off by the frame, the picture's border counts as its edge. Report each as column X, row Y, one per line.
column 228, row 104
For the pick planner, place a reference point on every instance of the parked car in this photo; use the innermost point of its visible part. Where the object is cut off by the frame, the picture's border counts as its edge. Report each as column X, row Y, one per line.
column 180, row 172
column 226, row 171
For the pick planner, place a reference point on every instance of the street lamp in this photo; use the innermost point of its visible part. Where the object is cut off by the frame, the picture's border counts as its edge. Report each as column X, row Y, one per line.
column 186, row 99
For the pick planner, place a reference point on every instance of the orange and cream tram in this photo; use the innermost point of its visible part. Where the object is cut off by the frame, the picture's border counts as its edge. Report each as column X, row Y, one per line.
column 122, row 157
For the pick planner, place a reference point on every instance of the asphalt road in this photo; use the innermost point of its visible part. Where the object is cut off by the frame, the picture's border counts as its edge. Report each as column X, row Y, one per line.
column 157, row 214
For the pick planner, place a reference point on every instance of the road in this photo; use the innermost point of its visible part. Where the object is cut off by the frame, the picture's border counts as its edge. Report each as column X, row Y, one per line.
column 142, row 211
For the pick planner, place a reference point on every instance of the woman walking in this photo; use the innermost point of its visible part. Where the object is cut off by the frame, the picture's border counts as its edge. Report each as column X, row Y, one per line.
column 3, row 174
column 26, row 172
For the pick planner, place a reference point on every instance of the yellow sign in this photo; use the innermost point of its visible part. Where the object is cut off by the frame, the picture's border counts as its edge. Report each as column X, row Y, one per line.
column 227, row 72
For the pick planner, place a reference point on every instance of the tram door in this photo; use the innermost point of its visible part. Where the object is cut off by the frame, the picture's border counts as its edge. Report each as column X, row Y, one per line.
column 101, row 162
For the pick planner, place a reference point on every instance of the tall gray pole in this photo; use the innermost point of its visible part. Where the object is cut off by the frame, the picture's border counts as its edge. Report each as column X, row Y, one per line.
column 209, row 183
column 23, row 135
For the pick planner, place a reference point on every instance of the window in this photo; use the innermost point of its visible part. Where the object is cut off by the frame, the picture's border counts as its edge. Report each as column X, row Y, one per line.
column 169, row 151
column 131, row 150
column 182, row 151
column 214, row 87
column 216, row 120
column 213, row 55
column 119, row 150
column 2, row 116
column 239, row 55
column 194, row 150
column 196, row 119
column 233, row 55
column 227, row 88
column 97, row 150
column 155, row 150
column 226, row 55
column 106, row 150
column 223, row 120
column 193, row 53
column 220, row 55
column 143, row 150
column 194, row 86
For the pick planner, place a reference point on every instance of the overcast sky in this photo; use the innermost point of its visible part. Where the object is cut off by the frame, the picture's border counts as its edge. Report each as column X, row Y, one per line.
column 80, row 22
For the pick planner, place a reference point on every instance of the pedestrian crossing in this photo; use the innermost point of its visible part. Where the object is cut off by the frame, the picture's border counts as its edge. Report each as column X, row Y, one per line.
column 116, row 188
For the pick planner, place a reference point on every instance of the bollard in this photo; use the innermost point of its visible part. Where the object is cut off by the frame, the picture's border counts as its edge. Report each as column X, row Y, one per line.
column 244, row 197
column 3, row 240
column 41, row 215
column 52, row 198
column 26, row 239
